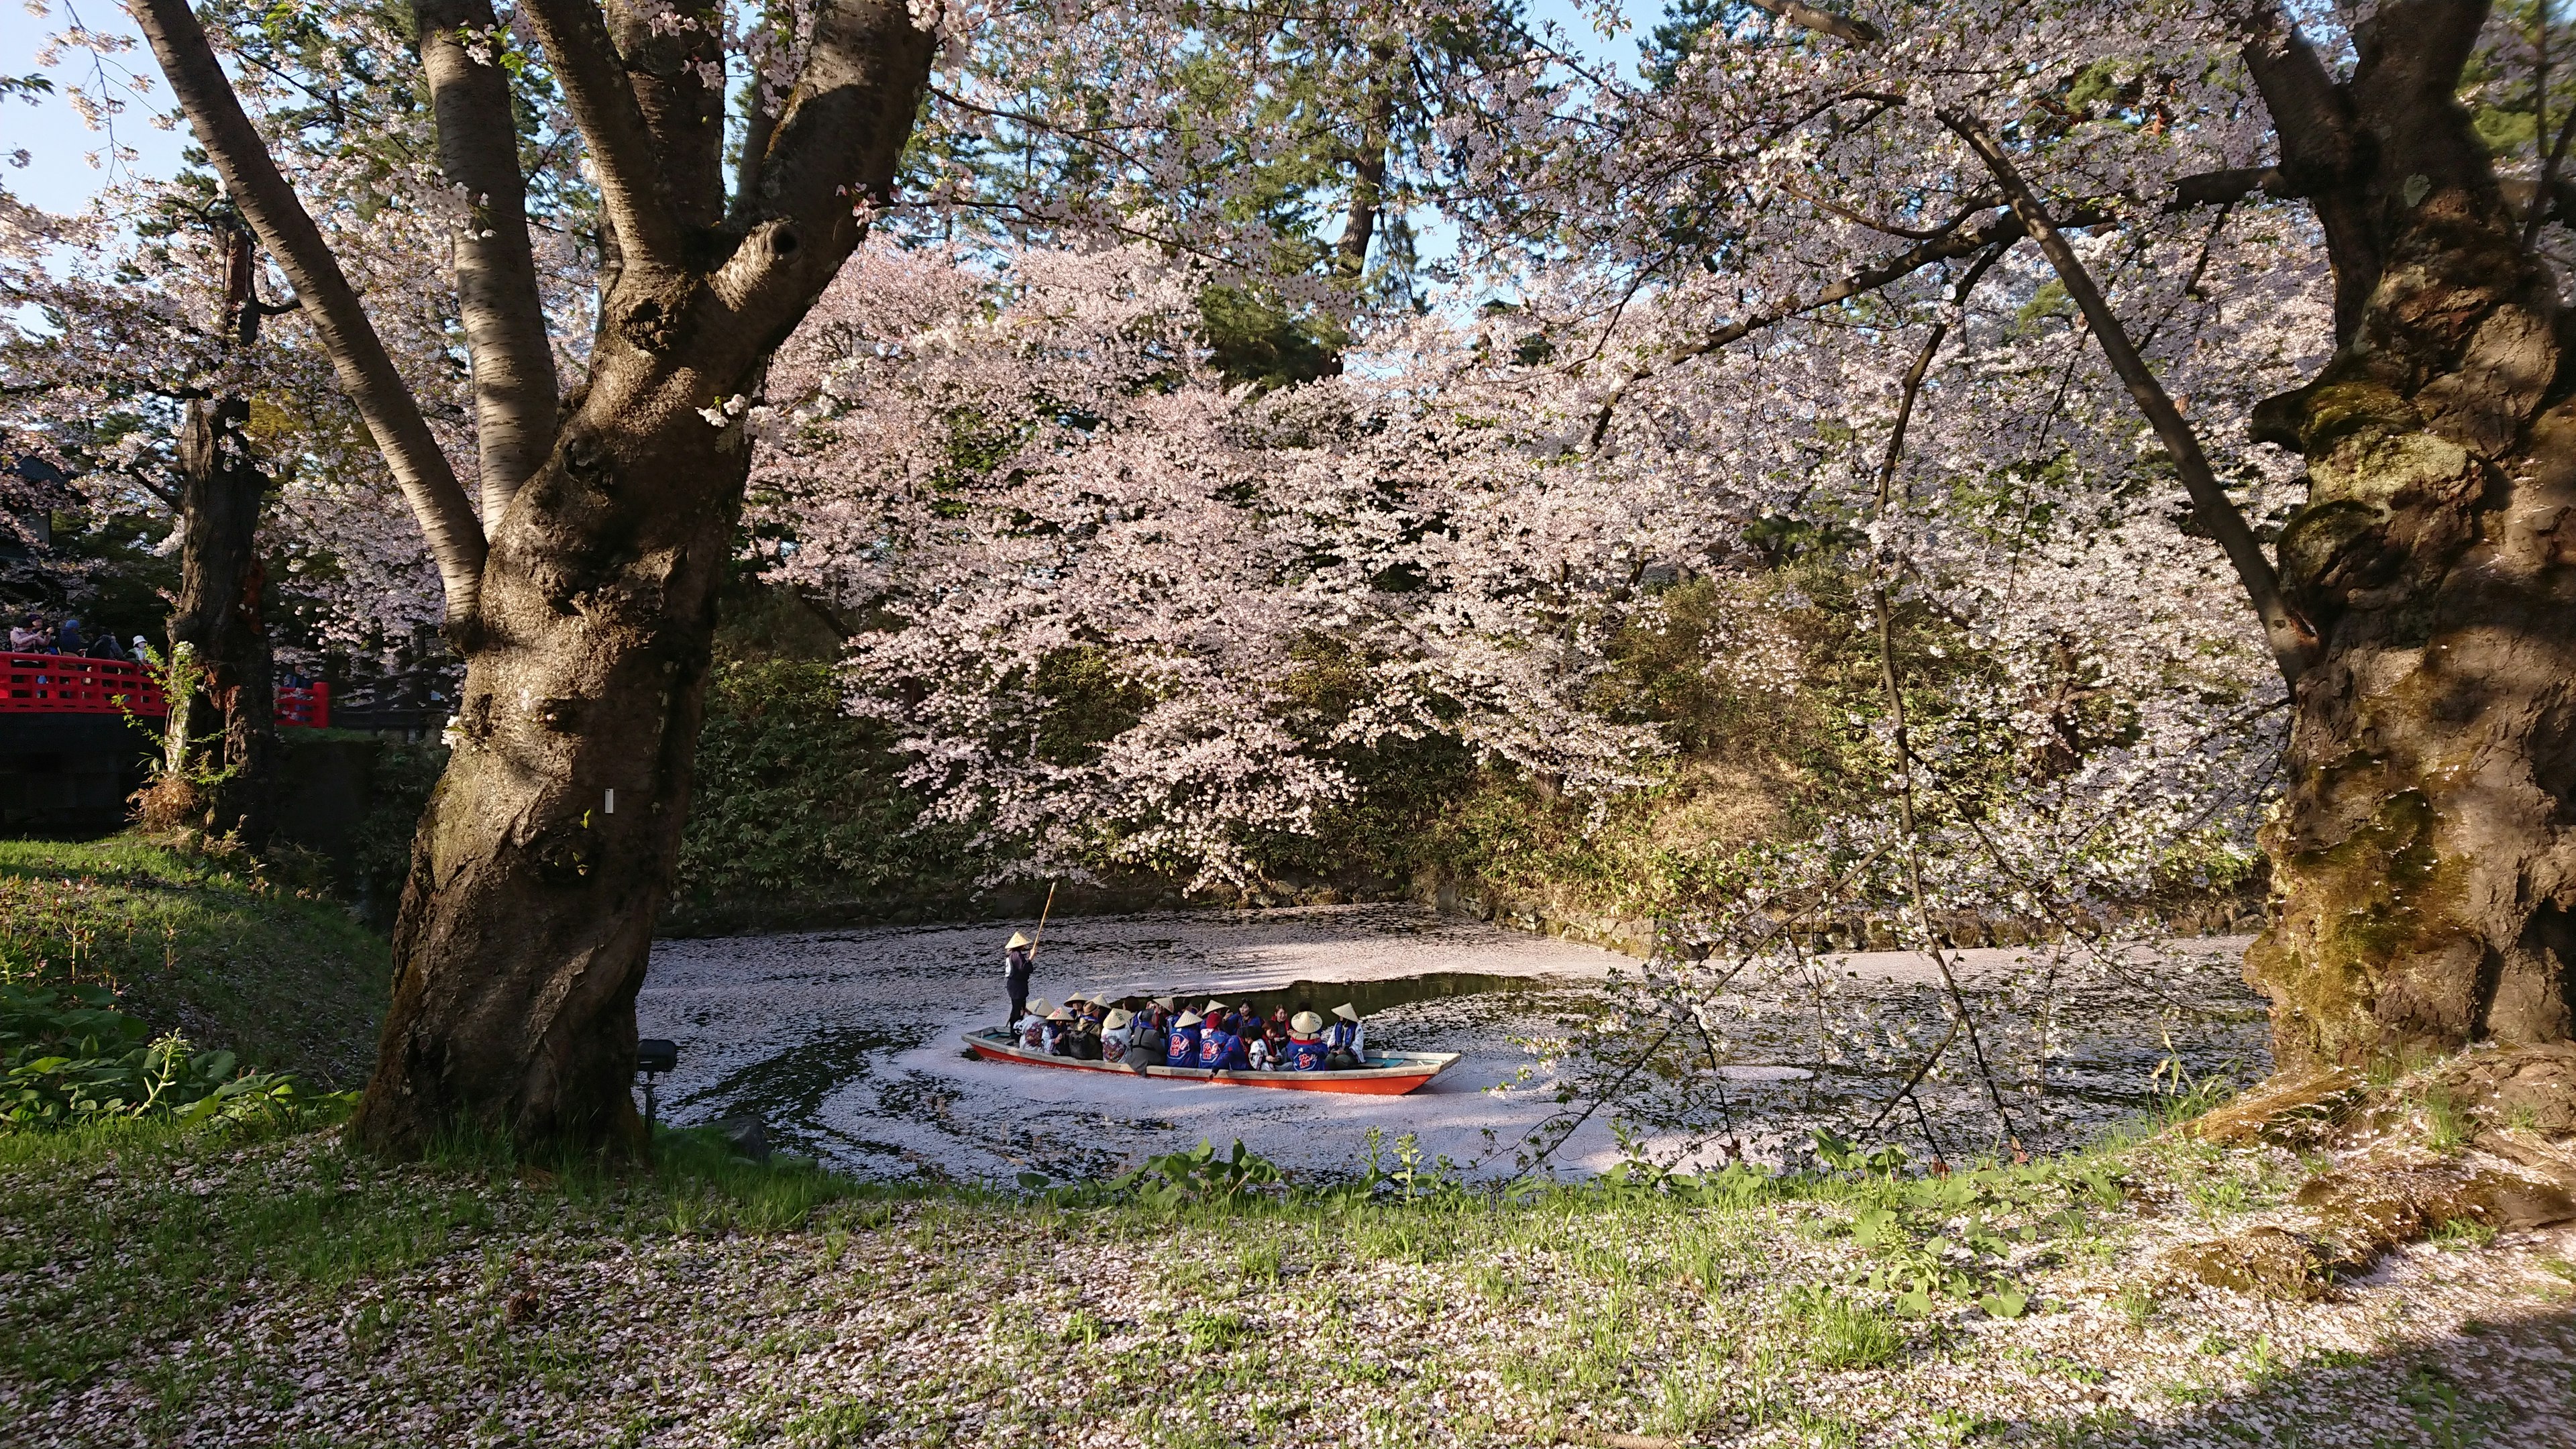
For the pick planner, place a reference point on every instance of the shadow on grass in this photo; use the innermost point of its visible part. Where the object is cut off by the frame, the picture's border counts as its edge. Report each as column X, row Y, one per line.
column 131, row 1231
column 2506, row 1381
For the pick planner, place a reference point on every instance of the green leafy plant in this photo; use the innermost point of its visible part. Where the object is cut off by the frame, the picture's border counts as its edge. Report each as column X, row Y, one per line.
column 1176, row 1179
column 68, row 1056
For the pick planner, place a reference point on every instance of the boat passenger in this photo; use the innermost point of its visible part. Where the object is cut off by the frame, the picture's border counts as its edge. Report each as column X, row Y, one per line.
column 1082, row 1039
column 1144, row 1044
column 1345, row 1041
column 1032, row 1026
column 1306, row 1042
column 1220, row 1050
column 1256, row 1054
column 1181, row 1044
column 1274, row 1034
column 1059, row 1031
column 1116, row 1032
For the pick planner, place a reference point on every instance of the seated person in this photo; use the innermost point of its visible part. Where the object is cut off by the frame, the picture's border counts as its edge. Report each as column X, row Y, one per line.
column 1345, row 1042
column 1117, row 1031
column 1256, row 1054
column 1082, row 1039
column 1274, row 1038
column 1059, row 1033
column 1220, row 1050
column 1181, row 1044
column 1306, row 1042
column 1032, row 1026
column 1144, row 1045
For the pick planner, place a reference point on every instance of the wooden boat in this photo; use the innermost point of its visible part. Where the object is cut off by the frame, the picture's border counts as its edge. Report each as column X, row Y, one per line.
column 1388, row 1074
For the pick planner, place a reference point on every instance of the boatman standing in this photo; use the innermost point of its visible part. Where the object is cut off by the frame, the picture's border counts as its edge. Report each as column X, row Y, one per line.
column 1017, row 958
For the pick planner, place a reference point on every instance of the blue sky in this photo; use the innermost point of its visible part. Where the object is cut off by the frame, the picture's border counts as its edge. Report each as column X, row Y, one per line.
column 59, row 176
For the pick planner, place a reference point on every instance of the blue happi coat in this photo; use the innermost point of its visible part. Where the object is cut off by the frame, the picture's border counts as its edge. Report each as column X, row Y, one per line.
column 1181, row 1048
column 1220, row 1049
column 1304, row 1055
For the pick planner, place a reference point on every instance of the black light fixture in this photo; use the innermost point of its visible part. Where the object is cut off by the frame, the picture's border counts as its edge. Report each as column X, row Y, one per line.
column 653, row 1056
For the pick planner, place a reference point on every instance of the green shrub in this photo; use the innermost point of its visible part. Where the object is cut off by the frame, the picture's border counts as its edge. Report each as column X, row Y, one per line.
column 398, row 791
column 795, row 800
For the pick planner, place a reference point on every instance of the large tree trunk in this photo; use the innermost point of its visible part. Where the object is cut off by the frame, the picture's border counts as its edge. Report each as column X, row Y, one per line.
column 540, row 867
column 541, row 864
column 2424, row 852
column 221, row 584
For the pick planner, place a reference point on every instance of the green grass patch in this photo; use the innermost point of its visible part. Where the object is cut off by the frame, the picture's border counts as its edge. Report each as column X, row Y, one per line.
column 210, row 946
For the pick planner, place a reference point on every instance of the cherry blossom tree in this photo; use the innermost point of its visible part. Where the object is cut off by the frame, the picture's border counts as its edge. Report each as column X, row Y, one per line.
column 1105, row 582
column 579, row 573
column 2291, row 275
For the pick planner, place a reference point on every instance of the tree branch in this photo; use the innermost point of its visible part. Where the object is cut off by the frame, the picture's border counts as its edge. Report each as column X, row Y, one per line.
column 593, row 76
column 496, row 272
column 358, row 357
column 2292, row 638
column 2325, row 154
column 759, row 123
column 669, row 48
column 2226, row 188
column 2000, row 228
column 1851, row 30
column 831, row 160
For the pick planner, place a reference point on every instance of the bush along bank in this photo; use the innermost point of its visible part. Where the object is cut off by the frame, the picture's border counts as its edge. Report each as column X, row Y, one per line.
column 1208, row 1299
column 801, row 817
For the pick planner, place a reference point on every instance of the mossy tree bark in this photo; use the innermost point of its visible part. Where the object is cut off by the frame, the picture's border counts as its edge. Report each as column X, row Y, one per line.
column 587, row 619
column 2424, row 852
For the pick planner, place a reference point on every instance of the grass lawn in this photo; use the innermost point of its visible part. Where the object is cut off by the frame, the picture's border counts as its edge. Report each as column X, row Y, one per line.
column 258, row 1284
column 209, row 946
column 262, row 1286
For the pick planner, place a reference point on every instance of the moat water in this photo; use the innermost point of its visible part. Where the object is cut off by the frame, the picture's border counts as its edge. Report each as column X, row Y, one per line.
column 848, row 1044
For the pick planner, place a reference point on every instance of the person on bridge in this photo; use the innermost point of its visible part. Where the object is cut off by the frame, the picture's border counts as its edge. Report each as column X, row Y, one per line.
column 28, row 638
column 1018, row 959
column 67, row 635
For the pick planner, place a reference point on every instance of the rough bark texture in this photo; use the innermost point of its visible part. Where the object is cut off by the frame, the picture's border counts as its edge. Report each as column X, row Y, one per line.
column 218, row 609
column 2423, row 852
column 541, row 864
column 496, row 269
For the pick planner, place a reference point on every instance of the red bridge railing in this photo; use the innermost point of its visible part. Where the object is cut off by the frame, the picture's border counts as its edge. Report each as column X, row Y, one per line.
column 73, row 684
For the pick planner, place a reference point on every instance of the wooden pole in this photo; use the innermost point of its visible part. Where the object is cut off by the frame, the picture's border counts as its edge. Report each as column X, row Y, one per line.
column 1042, row 920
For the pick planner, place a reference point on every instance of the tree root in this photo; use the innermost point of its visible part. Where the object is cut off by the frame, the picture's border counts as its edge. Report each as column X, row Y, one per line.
column 2484, row 1140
